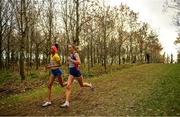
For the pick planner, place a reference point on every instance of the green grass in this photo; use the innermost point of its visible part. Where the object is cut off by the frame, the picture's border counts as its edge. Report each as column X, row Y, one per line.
column 34, row 74
column 164, row 98
column 99, row 70
column 8, row 76
column 41, row 91
column 28, row 96
column 151, row 89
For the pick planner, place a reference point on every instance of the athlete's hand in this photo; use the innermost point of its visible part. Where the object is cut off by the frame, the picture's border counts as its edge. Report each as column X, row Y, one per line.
column 67, row 63
column 48, row 67
column 69, row 58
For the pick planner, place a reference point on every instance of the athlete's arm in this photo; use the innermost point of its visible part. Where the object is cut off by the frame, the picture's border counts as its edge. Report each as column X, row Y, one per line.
column 67, row 62
column 50, row 66
column 58, row 63
column 77, row 61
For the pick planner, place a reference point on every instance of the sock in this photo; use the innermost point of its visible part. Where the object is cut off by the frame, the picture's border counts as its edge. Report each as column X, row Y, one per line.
column 67, row 103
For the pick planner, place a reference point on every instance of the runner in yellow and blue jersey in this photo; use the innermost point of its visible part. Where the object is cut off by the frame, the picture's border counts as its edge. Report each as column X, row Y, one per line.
column 54, row 67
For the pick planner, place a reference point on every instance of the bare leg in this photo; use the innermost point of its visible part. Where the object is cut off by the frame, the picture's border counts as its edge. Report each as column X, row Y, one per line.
column 61, row 81
column 50, row 83
column 68, row 91
column 83, row 84
column 69, row 87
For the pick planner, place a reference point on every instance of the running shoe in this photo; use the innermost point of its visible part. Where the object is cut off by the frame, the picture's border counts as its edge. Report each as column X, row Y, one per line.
column 65, row 105
column 46, row 104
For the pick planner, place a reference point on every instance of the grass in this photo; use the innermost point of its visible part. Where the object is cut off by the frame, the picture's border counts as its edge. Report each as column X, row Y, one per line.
column 98, row 70
column 40, row 92
column 164, row 98
column 8, row 76
column 139, row 90
column 34, row 94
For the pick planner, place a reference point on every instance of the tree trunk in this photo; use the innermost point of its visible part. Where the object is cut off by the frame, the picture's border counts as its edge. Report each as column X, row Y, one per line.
column 8, row 52
column 12, row 59
column 88, row 57
column 130, row 51
column 37, row 57
column 104, row 45
column 23, row 36
column 30, row 53
column 105, row 54
column 95, row 57
column 91, row 52
column 21, row 61
column 119, row 55
column 98, row 55
column 112, row 60
column 1, row 63
column 77, row 23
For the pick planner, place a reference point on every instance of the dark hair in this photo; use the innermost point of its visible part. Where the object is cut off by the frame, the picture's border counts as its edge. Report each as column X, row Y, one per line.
column 56, row 45
column 73, row 46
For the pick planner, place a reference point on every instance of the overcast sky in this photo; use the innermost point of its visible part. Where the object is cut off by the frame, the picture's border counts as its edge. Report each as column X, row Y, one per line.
column 151, row 11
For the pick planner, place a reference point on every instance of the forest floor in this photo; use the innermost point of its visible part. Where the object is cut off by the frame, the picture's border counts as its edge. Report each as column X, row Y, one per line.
column 149, row 89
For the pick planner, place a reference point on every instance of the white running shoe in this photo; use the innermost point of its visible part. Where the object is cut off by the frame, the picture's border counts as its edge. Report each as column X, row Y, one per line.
column 46, row 104
column 65, row 105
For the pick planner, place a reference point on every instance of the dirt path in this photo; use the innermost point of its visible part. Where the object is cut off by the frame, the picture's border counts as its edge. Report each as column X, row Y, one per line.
column 119, row 93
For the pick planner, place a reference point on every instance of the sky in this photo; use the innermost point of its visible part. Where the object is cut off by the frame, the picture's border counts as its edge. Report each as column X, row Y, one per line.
column 151, row 11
